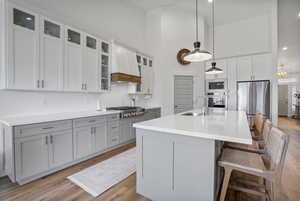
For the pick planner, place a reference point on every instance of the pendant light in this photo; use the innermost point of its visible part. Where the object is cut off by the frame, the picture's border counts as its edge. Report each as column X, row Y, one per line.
column 197, row 55
column 213, row 69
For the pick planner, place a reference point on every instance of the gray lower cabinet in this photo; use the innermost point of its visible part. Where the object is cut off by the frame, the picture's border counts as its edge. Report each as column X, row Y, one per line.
column 32, row 156
column 90, row 139
column 100, row 137
column 42, row 148
column 126, row 130
column 83, row 141
column 41, row 152
column 61, row 148
column 113, row 133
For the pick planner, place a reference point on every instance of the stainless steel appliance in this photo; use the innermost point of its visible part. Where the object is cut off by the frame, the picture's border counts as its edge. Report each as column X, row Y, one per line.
column 127, row 112
column 254, row 96
column 216, row 85
column 217, row 99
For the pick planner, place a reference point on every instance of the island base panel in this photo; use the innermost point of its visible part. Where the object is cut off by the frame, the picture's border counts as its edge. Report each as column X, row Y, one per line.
column 175, row 167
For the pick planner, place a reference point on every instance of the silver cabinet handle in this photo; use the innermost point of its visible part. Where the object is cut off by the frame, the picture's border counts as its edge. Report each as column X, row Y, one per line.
column 114, row 127
column 38, row 84
column 94, row 130
column 85, row 86
column 46, row 140
column 82, row 86
column 51, row 139
column 91, row 121
column 47, row 128
column 43, row 84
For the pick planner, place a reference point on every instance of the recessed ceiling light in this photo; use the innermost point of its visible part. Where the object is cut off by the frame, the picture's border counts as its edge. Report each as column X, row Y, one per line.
column 28, row 18
column 285, row 48
column 299, row 14
column 210, row 1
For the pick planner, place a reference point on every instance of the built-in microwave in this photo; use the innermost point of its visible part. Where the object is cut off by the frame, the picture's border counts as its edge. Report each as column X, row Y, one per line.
column 216, row 85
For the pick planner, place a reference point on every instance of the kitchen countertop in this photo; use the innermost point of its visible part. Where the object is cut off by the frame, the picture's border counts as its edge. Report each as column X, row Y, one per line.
column 17, row 120
column 230, row 126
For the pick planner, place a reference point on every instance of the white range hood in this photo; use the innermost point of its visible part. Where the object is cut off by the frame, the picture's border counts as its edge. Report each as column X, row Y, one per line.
column 124, row 64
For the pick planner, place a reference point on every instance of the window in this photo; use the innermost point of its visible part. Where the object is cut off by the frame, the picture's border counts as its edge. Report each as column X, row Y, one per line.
column 73, row 37
column 51, row 29
column 24, row 19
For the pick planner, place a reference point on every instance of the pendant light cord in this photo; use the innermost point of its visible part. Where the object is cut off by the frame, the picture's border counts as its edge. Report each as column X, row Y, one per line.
column 213, row 29
column 197, row 39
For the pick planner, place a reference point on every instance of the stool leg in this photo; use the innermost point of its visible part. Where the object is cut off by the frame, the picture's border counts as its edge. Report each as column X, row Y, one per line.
column 225, row 183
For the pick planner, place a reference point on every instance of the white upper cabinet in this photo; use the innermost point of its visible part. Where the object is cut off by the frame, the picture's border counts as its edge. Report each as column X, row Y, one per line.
column 147, row 76
column 105, row 65
column 90, row 70
column 262, row 67
column 23, row 48
column 256, row 67
column 73, row 78
column 244, row 68
column 51, row 54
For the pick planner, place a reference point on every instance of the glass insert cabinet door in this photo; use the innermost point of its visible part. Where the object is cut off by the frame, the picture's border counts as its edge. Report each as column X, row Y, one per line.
column 91, row 42
column 73, row 37
column 23, row 19
column 51, row 29
column 105, row 47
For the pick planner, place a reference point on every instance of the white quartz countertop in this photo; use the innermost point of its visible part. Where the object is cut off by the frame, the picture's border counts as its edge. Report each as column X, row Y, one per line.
column 230, row 126
column 18, row 120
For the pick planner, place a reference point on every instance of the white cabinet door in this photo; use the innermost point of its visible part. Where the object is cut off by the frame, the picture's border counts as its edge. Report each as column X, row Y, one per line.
column 100, row 135
column 23, row 48
column 125, row 130
column 51, row 54
column 262, row 67
column 91, row 64
column 83, row 142
column 232, row 83
column 147, row 79
column 244, row 68
column 31, row 156
column 73, row 60
column 61, row 148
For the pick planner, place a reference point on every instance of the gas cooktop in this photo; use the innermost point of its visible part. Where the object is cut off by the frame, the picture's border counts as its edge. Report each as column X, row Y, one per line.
column 128, row 111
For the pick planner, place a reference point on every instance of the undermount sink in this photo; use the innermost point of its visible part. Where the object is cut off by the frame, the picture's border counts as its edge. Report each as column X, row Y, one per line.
column 193, row 114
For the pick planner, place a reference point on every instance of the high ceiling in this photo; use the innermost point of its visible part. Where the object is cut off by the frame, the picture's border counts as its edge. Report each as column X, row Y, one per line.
column 289, row 34
column 227, row 11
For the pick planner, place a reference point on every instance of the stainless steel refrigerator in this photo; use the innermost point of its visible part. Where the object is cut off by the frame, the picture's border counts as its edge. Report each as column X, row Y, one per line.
column 253, row 97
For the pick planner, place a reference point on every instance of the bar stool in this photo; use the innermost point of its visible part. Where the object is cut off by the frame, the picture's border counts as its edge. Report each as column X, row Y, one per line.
column 257, row 145
column 257, row 128
column 267, row 167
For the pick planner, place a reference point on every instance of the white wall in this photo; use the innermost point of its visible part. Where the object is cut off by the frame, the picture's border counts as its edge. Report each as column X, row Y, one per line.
column 176, row 28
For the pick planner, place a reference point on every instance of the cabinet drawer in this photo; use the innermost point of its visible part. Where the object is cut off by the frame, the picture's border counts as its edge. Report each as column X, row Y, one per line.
column 113, row 117
column 113, row 140
column 88, row 121
column 34, row 129
column 113, row 128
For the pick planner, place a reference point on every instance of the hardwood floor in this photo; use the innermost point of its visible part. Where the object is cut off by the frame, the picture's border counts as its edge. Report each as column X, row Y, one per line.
column 57, row 188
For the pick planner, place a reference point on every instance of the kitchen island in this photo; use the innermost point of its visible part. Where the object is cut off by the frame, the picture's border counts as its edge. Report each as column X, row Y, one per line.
column 177, row 154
